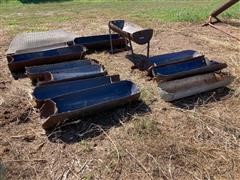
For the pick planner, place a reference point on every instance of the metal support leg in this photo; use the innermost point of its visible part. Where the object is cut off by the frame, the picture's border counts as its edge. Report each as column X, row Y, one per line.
column 130, row 42
column 148, row 48
column 111, row 44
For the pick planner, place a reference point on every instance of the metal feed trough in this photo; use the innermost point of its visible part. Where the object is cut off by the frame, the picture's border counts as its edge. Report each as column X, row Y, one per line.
column 57, row 110
column 49, row 91
column 101, row 42
column 18, row 62
column 171, row 58
column 39, row 41
column 35, row 72
column 180, row 88
column 198, row 65
column 132, row 32
column 67, row 74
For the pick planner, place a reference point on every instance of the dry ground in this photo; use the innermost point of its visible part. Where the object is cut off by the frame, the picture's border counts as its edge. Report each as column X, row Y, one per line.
column 198, row 138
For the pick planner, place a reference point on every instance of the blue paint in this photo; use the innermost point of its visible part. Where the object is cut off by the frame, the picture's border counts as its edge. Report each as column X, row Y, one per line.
column 180, row 67
column 176, row 56
column 47, row 54
column 95, row 96
column 80, row 72
column 57, row 66
column 88, row 40
column 53, row 90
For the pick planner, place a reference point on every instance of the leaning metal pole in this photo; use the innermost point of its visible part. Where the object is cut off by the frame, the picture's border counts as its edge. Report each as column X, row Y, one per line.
column 218, row 11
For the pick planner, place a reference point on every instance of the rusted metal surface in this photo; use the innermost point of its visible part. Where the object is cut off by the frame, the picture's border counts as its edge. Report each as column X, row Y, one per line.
column 81, row 72
column 34, row 72
column 177, row 89
column 18, row 62
column 132, row 32
column 57, row 110
column 50, row 91
column 101, row 42
column 198, row 65
column 39, row 41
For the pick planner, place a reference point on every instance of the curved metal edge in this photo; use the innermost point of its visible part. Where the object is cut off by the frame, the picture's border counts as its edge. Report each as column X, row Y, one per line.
column 168, row 97
column 214, row 66
column 57, row 118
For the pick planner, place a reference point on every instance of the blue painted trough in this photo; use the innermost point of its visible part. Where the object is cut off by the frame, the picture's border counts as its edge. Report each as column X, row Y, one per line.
column 198, row 65
column 101, row 42
column 50, row 91
column 171, row 58
column 57, row 110
column 18, row 62
column 81, row 72
column 35, row 72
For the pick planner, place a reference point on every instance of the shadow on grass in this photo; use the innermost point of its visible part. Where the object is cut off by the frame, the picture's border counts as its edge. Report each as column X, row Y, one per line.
column 90, row 127
column 139, row 61
column 203, row 98
column 40, row 1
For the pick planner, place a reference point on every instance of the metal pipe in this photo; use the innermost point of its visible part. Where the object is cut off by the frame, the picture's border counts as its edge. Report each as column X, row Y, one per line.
column 223, row 7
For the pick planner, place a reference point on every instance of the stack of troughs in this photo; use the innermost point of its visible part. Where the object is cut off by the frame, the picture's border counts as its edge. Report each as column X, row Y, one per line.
column 68, row 86
column 186, row 73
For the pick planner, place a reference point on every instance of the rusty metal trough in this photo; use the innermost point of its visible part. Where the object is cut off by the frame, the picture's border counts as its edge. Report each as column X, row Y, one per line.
column 132, row 32
column 18, row 62
column 49, row 91
column 101, row 42
column 198, row 65
column 180, row 88
column 57, row 110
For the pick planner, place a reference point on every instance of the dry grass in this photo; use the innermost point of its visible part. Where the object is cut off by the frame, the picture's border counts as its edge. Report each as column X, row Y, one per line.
column 198, row 138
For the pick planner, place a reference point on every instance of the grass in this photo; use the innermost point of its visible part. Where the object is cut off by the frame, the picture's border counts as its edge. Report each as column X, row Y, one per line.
column 150, row 140
column 68, row 11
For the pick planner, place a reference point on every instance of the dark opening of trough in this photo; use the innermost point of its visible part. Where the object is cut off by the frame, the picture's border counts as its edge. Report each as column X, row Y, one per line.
column 101, row 42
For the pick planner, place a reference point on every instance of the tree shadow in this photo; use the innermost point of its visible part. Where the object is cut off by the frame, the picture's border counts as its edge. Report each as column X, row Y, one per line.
column 232, row 23
column 41, row 1
column 93, row 126
column 191, row 102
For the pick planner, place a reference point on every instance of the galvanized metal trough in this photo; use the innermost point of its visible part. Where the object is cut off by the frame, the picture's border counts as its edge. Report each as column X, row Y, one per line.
column 57, row 110
column 35, row 72
column 198, row 65
column 180, row 88
column 101, row 42
column 132, row 32
column 18, row 62
column 49, row 91
column 81, row 72
column 39, row 41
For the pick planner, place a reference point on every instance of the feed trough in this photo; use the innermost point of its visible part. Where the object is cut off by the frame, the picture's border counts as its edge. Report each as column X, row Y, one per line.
column 132, row 32
column 18, row 62
column 101, row 42
column 171, row 58
column 81, row 72
column 39, row 41
column 34, row 72
column 180, row 88
column 50, row 91
column 56, row 110
column 198, row 65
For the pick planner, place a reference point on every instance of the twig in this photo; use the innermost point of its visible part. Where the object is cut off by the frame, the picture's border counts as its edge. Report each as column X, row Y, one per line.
column 140, row 164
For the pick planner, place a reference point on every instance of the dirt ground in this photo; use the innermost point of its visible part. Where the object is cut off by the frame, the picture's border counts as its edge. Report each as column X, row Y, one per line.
column 194, row 138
